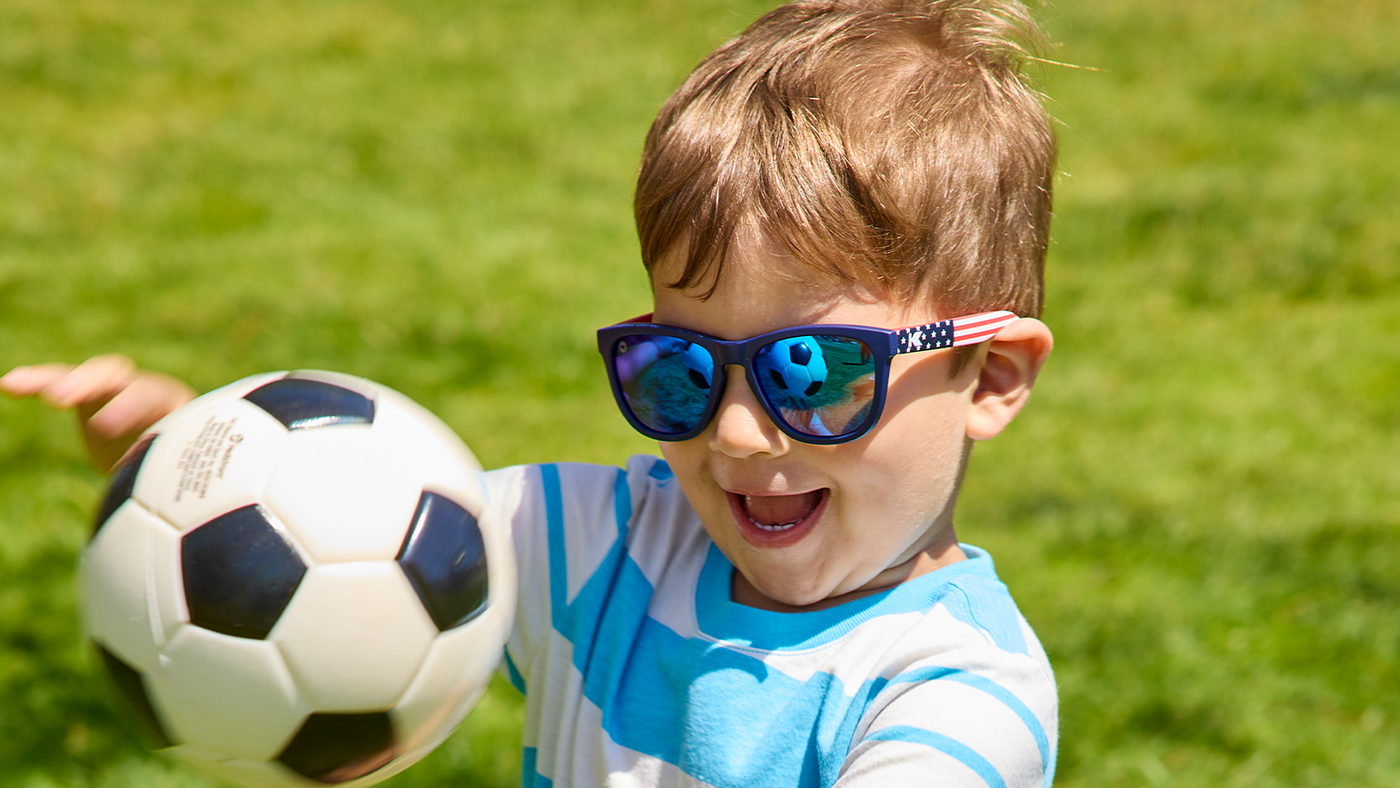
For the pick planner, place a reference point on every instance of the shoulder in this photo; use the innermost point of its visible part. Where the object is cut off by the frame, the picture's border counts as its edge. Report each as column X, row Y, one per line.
column 965, row 682
column 962, row 606
column 591, row 543
column 584, row 511
column 583, row 490
column 579, row 477
column 970, row 631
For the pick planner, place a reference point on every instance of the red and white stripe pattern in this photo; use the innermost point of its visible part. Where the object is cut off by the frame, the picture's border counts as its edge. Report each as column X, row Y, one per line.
column 967, row 330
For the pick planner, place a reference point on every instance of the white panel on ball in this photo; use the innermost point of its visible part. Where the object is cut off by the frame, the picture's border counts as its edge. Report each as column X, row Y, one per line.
column 241, row 771
column 354, row 636
column 117, row 583
column 223, row 458
column 453, row 677
column 409, row 431
column 228, row 691
column 165, row 583
column 340, row 501
column 147, row 486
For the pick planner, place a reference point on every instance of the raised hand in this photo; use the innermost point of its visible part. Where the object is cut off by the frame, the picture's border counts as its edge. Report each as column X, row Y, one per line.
column 114, row 400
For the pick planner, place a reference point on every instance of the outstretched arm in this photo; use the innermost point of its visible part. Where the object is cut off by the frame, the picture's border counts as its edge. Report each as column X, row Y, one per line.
column 115, row 402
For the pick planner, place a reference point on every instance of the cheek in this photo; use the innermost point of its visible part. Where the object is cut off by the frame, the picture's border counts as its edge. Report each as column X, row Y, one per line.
column 912, row 465
column 920, row 469
column 684, row 460
column 678, row 453
column 923, row 431
column 675, row 458
column 923, row 400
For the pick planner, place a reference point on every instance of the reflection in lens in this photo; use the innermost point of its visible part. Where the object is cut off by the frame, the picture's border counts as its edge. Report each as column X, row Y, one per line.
column 795, row 366
column 665, row 380
column 821, row 385
column 699, row 366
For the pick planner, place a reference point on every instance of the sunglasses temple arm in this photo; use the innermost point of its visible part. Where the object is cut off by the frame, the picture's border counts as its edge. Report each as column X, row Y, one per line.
column 957, row 332
column 973, row 329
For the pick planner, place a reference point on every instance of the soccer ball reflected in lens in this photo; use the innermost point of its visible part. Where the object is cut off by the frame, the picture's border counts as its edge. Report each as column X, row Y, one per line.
column 795, row 366
column 699, row 366
column 291, row 584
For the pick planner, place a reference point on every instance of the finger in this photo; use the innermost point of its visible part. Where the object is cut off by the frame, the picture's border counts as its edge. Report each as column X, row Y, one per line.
column 149, row 397
column 30, row 380
column 94, row 381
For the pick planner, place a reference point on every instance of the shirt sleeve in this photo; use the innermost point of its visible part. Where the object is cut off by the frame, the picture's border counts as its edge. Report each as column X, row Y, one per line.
column 566, row 522
column 989, row 722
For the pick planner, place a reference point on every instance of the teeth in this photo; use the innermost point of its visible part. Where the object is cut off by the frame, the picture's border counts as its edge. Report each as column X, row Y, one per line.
column 788, row 509
column 777, row 527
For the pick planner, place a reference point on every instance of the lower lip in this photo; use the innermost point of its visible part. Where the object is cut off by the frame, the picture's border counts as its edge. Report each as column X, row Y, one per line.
column 759, row 536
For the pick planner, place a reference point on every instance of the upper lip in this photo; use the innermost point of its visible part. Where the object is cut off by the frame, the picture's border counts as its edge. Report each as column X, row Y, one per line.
column 768, row 481
column 762, row 491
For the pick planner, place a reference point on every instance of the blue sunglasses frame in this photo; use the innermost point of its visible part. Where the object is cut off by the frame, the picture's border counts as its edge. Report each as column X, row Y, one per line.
column 884, row 345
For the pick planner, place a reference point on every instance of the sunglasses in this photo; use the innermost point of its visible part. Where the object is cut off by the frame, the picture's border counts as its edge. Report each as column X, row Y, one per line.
column 819, row 384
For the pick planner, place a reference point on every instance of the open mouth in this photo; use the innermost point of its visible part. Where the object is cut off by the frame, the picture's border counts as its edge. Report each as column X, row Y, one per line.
column 778, row 513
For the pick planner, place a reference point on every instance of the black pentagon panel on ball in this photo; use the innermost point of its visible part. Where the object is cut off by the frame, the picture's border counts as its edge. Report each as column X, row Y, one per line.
column 304, row 404
column 123, row 481
column 338, row 748
column 240, row 571
column 133, row 690
column 445, row 560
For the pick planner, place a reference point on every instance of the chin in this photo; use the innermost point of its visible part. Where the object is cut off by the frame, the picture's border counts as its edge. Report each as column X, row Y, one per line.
column 788, row 596
column 796, row 600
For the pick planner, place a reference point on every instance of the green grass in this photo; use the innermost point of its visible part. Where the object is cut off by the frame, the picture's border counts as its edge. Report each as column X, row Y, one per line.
column 1198, row 513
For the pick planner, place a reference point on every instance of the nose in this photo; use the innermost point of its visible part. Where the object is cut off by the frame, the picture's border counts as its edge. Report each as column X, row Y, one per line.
column 741, row 428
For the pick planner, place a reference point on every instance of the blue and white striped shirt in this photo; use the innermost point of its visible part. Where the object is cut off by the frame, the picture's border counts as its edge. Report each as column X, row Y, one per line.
column 638, row 669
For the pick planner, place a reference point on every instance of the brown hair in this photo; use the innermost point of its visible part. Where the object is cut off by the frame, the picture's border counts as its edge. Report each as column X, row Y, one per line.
column 888, row 142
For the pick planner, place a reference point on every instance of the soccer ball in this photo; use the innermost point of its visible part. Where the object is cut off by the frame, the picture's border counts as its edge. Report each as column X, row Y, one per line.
column 290, row 583
column 796, row 365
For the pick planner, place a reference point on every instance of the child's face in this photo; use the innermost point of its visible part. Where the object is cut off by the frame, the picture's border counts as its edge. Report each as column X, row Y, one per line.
column 868, row 513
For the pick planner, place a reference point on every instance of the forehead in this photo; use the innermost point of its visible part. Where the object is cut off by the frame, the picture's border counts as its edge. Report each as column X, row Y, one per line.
column 764, row 289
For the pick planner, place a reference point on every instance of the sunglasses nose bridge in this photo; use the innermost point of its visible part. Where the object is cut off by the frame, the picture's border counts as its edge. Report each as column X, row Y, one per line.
column 740, row 354
column 741, row 423
column 729, row 354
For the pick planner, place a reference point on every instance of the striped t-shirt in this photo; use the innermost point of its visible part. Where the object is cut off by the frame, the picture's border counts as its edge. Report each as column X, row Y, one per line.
column 638, row 669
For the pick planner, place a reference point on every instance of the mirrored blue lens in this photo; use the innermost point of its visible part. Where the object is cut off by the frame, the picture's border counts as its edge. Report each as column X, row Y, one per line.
column 665, row 380
column 822, row 386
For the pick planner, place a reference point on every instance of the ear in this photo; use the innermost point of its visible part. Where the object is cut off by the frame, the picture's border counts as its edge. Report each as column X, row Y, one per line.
column 1013, row 359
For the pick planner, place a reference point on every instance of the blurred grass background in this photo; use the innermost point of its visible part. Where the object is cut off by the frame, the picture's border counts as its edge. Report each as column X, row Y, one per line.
column 1200, row 514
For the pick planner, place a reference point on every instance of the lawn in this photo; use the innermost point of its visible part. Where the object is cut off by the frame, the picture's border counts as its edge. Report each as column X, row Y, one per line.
column 1199, row 513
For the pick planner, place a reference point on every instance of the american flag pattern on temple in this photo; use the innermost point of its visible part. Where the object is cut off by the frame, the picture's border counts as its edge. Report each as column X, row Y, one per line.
column 957, row 332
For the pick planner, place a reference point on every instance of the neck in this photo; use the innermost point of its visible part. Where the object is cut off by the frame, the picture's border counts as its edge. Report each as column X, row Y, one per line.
column 943, row 551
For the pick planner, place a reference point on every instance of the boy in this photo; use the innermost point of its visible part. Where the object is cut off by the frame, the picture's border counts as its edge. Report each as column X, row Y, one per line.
column 783, row 600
